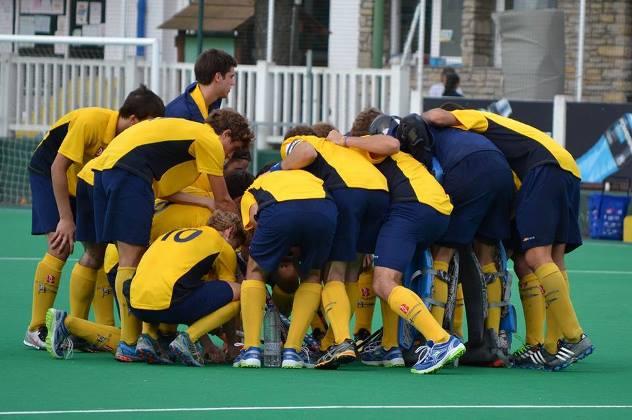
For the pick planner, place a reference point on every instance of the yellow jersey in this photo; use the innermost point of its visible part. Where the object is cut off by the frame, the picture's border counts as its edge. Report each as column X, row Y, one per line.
column 524, row 146
column 337, row 166
column 80, row 136
column 410, row 181
column 179, row 261
column 278, row 186
column 168, row 152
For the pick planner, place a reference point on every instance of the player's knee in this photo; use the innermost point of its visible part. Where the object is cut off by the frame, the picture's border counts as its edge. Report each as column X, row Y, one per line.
column 536, row 257
column 59, row 254
column 92, row 258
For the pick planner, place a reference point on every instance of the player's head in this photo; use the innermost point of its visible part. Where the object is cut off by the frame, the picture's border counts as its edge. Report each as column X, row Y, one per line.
column 452, row 81
column 240, row 160
column 232, row 128
column 322, row 129
column 363, row 121
column 299, row 130
column 216, row 67
column 229, row 225
column 141, row 104
column 415, row 138
column 451, row 106
column 237, row 183
column 445, row 72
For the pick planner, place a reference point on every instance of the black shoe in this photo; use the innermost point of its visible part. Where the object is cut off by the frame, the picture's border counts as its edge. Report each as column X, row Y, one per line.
column 336, row 355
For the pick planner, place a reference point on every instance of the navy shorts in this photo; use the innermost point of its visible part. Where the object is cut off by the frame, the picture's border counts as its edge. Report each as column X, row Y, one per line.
column 44, row 213
column 85, row 213
column 361, row 214
column 200, row 302
column 307, row 224
column 481, row 189
column 547, row 209
column 123, row 207
column 407, row 226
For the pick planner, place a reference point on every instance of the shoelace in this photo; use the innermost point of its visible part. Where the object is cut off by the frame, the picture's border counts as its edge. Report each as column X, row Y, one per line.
column 67, row 347
column 423, row 351
column 371, row 347
column 307, row 352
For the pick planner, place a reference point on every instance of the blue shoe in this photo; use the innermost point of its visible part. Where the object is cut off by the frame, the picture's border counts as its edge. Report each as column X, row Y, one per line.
column 126, row 353
column 377, row 355
column 433, row 356
column 149, row 350
column 58, row 341
column 292, row 360
column 186, row 351
column 250, row 358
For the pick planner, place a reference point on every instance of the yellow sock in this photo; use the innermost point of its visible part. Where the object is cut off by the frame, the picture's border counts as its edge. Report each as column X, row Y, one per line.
column 390, row 322
column 459, row 312
column 409, row 306
column 317, row 323
column 353, row 294
column 213, row 320
column 253, row 302
column 103, row 336
column 558, row 301
column 366, row 302
column 82, row 283
column 130, row 325
column 282, row 300
column 103, row 301
column 168, row 329
column 328, row 340
column 337, row 310
column 151, row 330
column 532, row 297
column 47, row 275
column 306, row 302
column 494, row 292
column 553, row 332
column 439, row 291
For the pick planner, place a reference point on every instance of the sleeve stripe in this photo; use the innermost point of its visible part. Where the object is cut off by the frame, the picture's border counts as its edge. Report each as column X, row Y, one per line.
column 291, row 146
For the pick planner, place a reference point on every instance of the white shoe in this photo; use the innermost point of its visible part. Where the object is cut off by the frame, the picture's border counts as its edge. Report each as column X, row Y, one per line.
column 36, row 339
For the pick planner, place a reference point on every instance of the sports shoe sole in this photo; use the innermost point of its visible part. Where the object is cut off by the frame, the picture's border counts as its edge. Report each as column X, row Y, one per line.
column 33, row 346
column 151, row 357
column 247, row 364
column 457, row 352
column 292, row 364
column 50, row 338
column 185, row 358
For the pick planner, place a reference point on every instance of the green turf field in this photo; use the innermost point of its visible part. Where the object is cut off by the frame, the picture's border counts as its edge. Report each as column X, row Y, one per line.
column 94, row 385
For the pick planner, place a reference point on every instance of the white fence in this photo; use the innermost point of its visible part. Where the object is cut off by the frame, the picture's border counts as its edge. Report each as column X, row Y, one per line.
column 39, row 90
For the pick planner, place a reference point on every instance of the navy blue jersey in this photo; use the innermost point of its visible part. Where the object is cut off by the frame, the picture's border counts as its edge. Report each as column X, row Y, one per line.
column 184, row 106
column 452, row 145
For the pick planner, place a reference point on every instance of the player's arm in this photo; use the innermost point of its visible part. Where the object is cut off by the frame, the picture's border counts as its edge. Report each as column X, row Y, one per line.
column 440, row 118
column 378, row 144
column 220, row 194
column 64, row 235
column 299, row 154
column 191, row 199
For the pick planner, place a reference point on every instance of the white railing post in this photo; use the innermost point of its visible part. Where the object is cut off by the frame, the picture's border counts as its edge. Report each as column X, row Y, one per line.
column 5, row 85
column 400, row 90
column 559, row 119
column 263, row 110
column 131, row 77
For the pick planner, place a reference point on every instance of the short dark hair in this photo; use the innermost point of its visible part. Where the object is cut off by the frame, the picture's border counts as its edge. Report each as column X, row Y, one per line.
column 322, row 128
column 363, row 121
column 229, row 119
column 448, row 70
column 299, row 130
column 238, row 182
column 211, row 62
column 451, row 106
column 143, row 103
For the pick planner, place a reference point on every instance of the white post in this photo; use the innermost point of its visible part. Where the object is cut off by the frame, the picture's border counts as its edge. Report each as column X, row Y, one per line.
column 6, row 83
column 420, row 52
column 400, row 90
column 559, row 119
column 409, row 37
column 270, row 35
column 579, row 68
column 155, row 66
column 263, row 111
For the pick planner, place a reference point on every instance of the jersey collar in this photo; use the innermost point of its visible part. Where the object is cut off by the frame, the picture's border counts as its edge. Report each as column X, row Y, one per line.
column 198, row 98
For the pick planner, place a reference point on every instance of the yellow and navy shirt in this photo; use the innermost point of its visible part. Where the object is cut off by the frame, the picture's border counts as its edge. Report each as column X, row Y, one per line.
column 278, row 186
column 168, row 152
column 338, row 167
column 178, row 262
column 80, row 136
column 410, row 181
column 190, row 105
column 169, row 216
column 524, row 147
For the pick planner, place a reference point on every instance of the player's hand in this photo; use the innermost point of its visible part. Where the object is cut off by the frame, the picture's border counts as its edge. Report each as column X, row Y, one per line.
column 367, row 262
column 335, row 136
column 210, row 203
column 64, row 236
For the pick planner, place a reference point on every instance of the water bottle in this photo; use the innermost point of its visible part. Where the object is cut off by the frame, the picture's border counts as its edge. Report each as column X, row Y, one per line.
column 272, row 337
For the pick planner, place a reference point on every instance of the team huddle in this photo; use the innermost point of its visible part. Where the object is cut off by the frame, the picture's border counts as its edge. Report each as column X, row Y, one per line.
column 177, row 232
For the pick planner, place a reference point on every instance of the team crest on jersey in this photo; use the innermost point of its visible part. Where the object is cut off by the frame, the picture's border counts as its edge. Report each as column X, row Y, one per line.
column 99, row 151
column 365, row 292
column 50, row 279
column 404, row 308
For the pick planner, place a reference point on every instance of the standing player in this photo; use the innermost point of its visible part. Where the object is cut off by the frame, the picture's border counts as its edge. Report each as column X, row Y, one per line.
column 76, row 138
column 289, row 209
column 214, row 78
column 546, row 216
column 419, row 215
column 361, row 195
column 173, row 151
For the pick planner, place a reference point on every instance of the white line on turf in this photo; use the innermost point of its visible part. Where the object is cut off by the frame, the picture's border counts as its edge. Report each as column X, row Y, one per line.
column 324, row 407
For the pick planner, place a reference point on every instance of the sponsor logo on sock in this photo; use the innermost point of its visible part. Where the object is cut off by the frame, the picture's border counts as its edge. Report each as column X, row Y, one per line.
column 365, row 292
column 404, row 308
column 50, row 279
column 99, row 151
